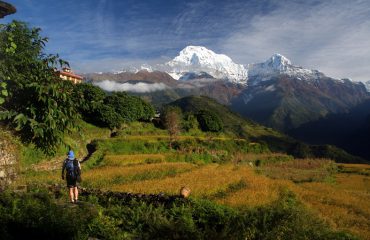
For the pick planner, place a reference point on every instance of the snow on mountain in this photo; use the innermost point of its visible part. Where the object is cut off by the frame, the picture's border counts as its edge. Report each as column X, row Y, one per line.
column 200, row 59
column 146, row 67
column 367, row 85
column 197, row 62
column 278, row 64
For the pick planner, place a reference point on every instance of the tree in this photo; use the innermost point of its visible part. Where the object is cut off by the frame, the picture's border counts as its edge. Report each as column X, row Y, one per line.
column 38, row 103
column 88, row 96
column 130, row 108
column 190, row 122
column 209, row 121
column 148, row 111
column 171, row 118
column 106, row 116
column 89, row 100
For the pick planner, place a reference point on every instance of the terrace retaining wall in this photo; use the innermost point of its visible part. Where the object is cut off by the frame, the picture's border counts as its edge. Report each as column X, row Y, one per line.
column 8, row 162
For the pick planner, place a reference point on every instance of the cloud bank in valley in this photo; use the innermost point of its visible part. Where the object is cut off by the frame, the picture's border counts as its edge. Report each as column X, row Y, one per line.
column 112, row 86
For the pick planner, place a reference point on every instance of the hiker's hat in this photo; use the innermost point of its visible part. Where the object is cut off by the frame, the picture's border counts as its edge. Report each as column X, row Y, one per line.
column 71, row 155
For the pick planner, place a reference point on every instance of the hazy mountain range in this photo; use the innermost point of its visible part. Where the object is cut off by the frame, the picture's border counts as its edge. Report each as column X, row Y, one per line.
column 276, row 92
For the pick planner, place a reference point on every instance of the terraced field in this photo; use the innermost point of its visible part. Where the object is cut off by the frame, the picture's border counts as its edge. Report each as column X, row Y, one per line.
column 231, row 172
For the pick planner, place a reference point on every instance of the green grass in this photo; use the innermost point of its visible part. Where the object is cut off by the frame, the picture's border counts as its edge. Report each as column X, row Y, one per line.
column 77, row 141
column 140, row 128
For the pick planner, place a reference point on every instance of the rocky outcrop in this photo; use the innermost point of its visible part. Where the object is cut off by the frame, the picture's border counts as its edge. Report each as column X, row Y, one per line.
column 8, row 162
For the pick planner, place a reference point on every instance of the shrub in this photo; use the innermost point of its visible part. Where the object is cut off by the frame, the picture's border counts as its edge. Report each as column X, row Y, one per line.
column 209, row 121
column 287, row 218
column 108, row 216
column 89, row 99
column 105, row 116
column 37, row 216
column 130, row 108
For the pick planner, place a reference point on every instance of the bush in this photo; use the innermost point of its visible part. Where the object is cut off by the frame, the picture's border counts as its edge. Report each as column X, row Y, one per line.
column 88, row 98
column 287, row 218
column 105, row 116
column 209, row 121
column 37, row 215
column 130, row 108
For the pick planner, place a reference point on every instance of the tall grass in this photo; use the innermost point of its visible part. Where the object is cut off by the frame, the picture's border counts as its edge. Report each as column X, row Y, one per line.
column 109, row 177
column 302, row 170
column 128, row 159
column 203, row 181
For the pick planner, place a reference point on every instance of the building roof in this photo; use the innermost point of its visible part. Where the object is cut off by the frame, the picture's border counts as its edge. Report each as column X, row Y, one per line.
column 6, row 9
column 70, row 74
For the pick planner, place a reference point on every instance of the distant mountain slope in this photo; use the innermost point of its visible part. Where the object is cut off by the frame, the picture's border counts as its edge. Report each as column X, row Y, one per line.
column 350, row 131
column 248, row 129
column 284, row 96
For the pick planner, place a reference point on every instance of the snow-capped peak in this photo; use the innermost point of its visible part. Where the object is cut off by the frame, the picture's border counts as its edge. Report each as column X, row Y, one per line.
column 198, row 55
column 200, row 59
column 277, row 64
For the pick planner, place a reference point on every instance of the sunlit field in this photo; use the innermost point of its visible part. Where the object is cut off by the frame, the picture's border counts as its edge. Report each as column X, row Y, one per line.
column 337, row 193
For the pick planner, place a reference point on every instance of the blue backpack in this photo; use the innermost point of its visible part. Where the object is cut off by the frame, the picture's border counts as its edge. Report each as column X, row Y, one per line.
column 70, row 167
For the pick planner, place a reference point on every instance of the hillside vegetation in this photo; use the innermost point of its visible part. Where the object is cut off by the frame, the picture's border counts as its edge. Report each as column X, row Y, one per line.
column 239, row 179
column 237, row 126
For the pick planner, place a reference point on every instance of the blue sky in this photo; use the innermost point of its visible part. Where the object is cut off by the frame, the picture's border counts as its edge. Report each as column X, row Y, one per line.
column 103, row 35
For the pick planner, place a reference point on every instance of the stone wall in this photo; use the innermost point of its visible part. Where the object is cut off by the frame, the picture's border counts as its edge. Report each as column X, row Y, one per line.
column 8, row 161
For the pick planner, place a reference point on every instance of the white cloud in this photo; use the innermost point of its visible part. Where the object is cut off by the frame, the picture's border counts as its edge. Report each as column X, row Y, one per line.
column 331, row 36
column 112, row 86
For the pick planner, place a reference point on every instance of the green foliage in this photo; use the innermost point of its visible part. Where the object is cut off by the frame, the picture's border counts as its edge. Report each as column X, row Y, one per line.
column 287, row 218
column 90, row 103
column 209, row 121
column 235, row 125
column 110, row 111
column 41, row 215
column 3, row 91
column 37, row 216
column 190, row 122
column 105, row 116
column 39, row 104
column 130, row 108
column 140, row 128
column 89, row 98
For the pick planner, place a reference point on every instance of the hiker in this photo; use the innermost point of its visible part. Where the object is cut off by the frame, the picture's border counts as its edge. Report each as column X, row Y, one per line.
column 73, row 175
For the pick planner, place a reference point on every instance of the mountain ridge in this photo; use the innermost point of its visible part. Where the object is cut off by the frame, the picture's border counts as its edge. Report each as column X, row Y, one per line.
column 276, row 92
